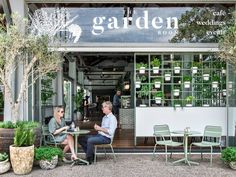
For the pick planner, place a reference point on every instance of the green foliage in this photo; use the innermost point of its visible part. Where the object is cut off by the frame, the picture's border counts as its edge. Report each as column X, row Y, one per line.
column 141, row 64
column 157, row 94
column 144, row 91
column 79, row 99
column 197, row 64
column 189, row 99
column 229, row 154
column 187, row 78
column 3, row 156
column 10, row 124
column 157, row 80
column 47, row 153
column 215, row 78
column 47, row 91
column 24, row 135
column 177, row 64
column 1, row 100
column 155, row 62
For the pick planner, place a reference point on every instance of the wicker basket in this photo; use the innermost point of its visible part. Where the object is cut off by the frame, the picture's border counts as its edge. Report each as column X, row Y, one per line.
column 48, row 165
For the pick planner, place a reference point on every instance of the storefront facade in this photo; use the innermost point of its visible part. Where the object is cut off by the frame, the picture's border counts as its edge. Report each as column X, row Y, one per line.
column 176, row 33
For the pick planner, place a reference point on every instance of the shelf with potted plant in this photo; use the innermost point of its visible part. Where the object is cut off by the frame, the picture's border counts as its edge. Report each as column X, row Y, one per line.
column 140, row 80
column 155, row 64
column 177, row 67
column 215, row 81
column 187, row 81
column 195, row 67
column 143, row 94
column 141, row 67
column 176, row 90
column 157, row 82
column 158, row 96
column 189, row 101
column 167, row 75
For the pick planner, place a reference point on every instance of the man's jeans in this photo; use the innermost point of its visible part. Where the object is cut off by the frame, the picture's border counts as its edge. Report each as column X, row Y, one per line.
column 88, row 142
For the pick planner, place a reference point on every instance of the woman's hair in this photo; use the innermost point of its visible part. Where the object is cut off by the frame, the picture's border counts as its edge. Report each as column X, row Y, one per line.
column 108, row 104
column 57, row 109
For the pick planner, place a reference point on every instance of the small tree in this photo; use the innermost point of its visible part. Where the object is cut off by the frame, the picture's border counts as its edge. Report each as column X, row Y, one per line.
column 23, row 49
column 227, row 44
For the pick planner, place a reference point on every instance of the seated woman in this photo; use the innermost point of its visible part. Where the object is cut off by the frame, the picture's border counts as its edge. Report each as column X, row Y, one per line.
column 56, row 126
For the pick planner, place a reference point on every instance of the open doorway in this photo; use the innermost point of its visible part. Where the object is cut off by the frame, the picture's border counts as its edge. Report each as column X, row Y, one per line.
column 100, row 75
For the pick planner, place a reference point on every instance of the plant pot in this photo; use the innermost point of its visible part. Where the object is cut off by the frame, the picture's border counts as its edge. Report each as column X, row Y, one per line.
column 223, row 71
column 206, row 77
column 177, row 105
column 230, row 84
column 176, row 92
column 215, row 84
column 232, row 165
column 189, row 105
column 155, row 70
column 205, row 105
column 194, row 69
column 22, row 159
column 167, row 77
column 177, row 70
column 48, row 165
column 187, row 84
column 157, row 84
column 224, row 92
column 142, row 70
column 158, row 100
column 4, row 166
column 137, row 84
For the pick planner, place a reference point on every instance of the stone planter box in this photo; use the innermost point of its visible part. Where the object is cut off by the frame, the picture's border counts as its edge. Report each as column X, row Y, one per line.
column 48, row 165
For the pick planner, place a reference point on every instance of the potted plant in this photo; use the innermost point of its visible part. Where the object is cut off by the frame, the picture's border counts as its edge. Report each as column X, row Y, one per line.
column 143, row 78
column 141, row 67
column 206, row 74
column 4, row 163
column 215, row 81
column 155, row 63
column 177, row 67
column 158, row 96
column 157, row 82
column 78, row 99
column 22, row 151
column 189, row 101
column 176, row 90
column 187, row 81
column 228, row 155
column 195, row 67
column 167, row 75
column 177, row 103
column 48, row 156
column 143, row 93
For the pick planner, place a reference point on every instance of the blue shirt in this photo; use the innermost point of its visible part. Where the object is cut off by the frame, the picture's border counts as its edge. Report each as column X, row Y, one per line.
column 109, row 122
column 116, row 100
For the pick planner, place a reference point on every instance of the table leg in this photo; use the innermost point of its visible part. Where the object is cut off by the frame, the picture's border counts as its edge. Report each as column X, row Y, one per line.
column 76, row 152
column 185, row 159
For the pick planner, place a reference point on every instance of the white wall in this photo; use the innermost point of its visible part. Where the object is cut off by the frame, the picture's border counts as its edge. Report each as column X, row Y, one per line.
column 194, row 117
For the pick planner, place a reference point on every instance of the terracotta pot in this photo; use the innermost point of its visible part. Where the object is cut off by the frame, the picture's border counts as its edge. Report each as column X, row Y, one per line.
column 22, row 159
column 4, row 166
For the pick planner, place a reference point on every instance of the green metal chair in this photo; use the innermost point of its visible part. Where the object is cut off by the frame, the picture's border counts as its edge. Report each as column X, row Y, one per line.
column 104, row 147
column 211, row 138
column 163, row 132
column 48, row 138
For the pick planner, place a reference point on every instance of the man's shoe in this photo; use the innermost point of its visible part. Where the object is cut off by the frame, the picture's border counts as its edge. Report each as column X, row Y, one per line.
column 90, row 160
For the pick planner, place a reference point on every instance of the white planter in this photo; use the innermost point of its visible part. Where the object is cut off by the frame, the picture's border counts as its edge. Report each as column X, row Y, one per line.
column 142, row 105
column 155, row 70
column 177, row 70
column 177, row 105
column 138, row 84
column 230, row 84
column 142, row 70
column 215, row 84
column 194, row 69
column 167, row 77
column 4, row 166
column 187, row 84
column 189, row 105
column 205, row 105
column 224, row 92
column 223, row 71
column 157, row 84
column 158, row 100
column 206, row 77
column 176, row 92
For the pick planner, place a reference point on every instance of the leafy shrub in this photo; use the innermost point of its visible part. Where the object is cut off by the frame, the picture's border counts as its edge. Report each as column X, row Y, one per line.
column 10, row 125
column 229, row 154
column 24, row 135
column 3, row 156
column 47, row 153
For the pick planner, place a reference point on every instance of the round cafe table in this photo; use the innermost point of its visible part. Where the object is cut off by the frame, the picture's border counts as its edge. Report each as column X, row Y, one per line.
column 75, row 134
column 186, row 134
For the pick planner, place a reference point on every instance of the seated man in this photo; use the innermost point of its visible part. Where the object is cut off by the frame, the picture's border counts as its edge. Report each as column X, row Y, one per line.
column 105, row 132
